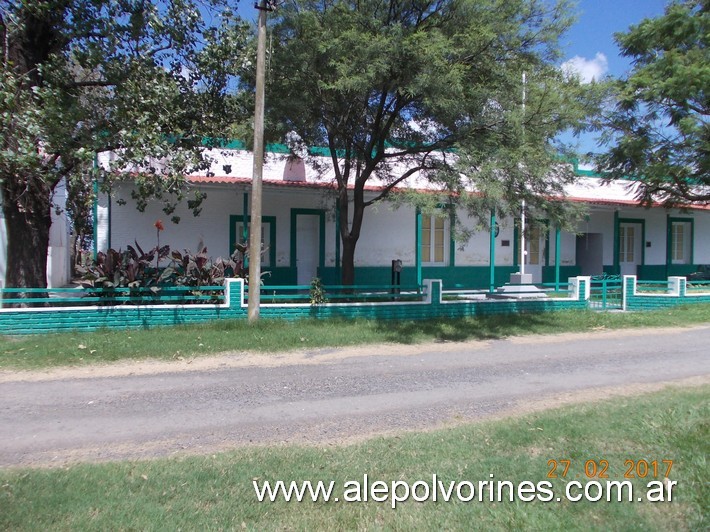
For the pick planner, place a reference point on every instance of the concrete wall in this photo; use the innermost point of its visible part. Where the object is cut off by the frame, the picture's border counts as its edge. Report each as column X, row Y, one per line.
column 3, row 247
column 58, row 254
column 676, row 294
column 58, row 319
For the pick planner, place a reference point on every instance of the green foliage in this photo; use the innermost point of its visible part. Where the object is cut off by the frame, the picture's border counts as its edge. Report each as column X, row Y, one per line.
column 317, row 293
column 658, row 130
column 198, row 269
column 147, row 81
column 132, row 268
column 428, row 90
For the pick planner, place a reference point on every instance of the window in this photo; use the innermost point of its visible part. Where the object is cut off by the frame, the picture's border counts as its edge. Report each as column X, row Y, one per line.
column 265, row 241
column 434, row 240
column 680, row 242
column 627, row 241
column 533, row 245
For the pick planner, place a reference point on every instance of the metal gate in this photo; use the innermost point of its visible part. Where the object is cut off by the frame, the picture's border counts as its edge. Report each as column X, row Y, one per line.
column 606, row 292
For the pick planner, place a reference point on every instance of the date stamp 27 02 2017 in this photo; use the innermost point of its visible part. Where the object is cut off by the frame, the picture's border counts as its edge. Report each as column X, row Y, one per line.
column 563, row 468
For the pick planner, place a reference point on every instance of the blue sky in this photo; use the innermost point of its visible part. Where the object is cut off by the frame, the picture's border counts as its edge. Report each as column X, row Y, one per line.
column 594, row 31
column 590, row 48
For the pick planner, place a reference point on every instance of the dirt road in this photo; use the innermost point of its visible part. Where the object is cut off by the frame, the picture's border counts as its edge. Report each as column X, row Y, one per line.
column 329, row 395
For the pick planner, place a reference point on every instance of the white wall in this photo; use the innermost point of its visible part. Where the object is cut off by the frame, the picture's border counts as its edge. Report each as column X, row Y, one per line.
column 601, row 220
column 702, row 237
column 212, row 225
column 59, row 254
column 387, row 233
column 3, row 247
column 58, row 258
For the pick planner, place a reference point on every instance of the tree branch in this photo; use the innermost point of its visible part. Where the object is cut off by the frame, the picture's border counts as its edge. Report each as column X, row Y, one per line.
column 385, row 191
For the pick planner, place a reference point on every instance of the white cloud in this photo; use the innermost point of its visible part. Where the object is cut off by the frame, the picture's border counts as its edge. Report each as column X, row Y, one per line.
column 587, row 69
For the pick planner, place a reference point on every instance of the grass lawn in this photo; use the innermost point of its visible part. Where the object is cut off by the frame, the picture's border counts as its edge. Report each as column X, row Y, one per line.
column 70, row 349
column 216, row 492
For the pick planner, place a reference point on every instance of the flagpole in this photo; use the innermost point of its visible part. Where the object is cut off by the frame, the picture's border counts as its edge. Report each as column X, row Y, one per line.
column 522, row 206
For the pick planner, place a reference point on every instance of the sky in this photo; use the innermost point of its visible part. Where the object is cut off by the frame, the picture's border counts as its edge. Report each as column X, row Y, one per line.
column 590, row 48
column 590, row 42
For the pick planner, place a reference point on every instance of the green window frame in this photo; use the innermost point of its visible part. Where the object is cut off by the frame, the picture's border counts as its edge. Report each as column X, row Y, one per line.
column 681, row 240
column 617, row 239
column 321, row 239
column 435, row 236
column 268, row 236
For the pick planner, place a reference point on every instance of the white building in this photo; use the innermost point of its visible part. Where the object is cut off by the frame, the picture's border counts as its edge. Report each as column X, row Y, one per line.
column 302, row 241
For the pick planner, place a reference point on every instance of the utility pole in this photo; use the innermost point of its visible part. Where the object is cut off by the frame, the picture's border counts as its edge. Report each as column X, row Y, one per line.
column 258, row 167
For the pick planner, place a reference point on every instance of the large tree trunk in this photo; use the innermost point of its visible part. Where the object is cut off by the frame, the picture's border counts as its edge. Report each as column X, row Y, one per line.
column 347, row 270
column 28, row 219
column 27, row 198
column 350, row 232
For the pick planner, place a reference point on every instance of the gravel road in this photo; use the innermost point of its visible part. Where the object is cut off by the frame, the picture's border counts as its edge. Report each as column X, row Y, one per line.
column 145, row 410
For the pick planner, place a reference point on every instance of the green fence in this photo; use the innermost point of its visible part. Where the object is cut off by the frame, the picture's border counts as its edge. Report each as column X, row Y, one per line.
column 73, row 314
column 67, row 309
column 652, row 295
column 338, row 293
column 156, row 295
column 605, row 292
column 698, row 287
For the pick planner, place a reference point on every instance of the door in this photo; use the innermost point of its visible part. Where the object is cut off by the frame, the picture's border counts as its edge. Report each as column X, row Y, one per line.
column 629, row 248
column 590, row 254
column 307, row 247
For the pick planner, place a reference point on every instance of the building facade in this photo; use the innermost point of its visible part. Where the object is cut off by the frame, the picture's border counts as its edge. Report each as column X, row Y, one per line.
column 301, row 235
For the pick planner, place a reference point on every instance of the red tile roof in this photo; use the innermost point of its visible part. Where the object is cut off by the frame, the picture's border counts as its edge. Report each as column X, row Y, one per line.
column 230, row 180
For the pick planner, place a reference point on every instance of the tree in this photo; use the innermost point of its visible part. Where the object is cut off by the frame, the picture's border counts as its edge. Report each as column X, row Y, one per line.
column 658, row 131
column 427, row 88
column 143, row 79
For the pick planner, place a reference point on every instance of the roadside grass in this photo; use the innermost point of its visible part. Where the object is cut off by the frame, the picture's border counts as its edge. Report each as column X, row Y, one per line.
column 217, row 492
column 184, row 342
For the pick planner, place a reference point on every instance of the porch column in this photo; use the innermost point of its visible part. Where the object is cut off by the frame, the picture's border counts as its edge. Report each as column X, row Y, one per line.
column 617, row 267
column 245, row 227
column 492, row 266
column 337, row 243
column 418, row 247
column 557, row 258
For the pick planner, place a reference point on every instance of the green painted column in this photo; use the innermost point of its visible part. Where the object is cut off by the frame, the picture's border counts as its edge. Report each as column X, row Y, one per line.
column 418, row 247
column 337, row 243
column 669, row 245
column 617, row 267
column 245, row 226
column 452, row 242
column 492, row 254
column 557, row 258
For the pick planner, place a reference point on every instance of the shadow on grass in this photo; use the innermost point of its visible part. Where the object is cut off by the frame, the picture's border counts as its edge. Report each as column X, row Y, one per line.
column 489, row 327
